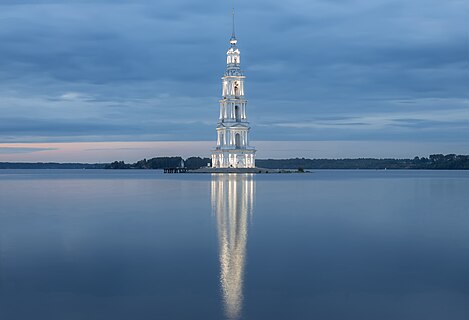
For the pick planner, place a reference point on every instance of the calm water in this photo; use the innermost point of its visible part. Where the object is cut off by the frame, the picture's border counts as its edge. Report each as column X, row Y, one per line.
column 142, row 245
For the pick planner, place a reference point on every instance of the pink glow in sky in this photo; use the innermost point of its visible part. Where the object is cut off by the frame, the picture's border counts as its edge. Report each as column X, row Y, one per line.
column 98, row 152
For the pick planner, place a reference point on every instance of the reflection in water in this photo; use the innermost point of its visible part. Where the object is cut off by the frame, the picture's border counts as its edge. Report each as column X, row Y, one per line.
column 232, row 204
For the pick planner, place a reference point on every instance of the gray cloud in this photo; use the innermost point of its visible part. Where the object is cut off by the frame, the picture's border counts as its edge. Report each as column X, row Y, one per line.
column 145, row 70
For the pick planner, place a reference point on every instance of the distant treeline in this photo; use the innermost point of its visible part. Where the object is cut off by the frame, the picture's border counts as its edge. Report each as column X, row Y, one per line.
column 433, row 162
column 162, row 163
column 50, row 165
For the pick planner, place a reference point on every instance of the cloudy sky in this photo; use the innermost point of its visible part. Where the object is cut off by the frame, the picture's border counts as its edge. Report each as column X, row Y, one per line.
column 121, row 79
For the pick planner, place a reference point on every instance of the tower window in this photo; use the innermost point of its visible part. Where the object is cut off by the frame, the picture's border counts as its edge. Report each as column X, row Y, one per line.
column 238, row 140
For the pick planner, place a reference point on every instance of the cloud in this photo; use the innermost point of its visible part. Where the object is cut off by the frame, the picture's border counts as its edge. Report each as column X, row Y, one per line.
column 15, row 150
column 82, row 70
column 74, row 96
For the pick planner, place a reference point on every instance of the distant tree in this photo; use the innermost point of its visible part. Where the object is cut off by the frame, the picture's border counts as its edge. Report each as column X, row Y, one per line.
column 197, row 162
column 118, row 165
column 164, row 162
column 437, row 157
column 142, row 164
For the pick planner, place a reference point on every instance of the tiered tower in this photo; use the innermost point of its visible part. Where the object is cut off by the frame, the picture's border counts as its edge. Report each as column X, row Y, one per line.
column 233, row 150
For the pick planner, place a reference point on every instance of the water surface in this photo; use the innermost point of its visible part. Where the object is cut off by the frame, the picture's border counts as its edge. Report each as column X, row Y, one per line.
column 105, row 244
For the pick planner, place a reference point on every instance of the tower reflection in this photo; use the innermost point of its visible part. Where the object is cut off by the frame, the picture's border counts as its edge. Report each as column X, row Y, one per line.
column 232, row 205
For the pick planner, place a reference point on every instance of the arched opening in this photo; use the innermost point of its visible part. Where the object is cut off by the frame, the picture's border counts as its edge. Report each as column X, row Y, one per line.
column 237, row 114
column 238, row 140
column 241, row 163
column 236, row 89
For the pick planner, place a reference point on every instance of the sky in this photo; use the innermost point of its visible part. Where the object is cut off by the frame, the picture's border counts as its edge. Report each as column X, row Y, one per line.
column 103, row 80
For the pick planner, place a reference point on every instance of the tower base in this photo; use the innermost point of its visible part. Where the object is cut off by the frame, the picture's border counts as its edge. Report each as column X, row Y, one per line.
column 235, row 170
column 235, row 158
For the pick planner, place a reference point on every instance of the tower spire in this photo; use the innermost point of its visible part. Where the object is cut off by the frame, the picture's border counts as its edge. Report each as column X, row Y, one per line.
column 233, row 35
column 233, row 40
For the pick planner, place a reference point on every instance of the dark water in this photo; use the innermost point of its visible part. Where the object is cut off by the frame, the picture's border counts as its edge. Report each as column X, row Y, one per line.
column 143, row 245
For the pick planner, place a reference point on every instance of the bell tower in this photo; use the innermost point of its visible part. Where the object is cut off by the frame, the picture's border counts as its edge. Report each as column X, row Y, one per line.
column 233, row 150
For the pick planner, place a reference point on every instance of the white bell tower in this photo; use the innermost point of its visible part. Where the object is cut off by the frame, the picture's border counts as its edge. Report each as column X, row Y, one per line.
column 233, row 150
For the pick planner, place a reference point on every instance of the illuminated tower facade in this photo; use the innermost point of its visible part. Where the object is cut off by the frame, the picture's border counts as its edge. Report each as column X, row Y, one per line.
column 233, row 150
